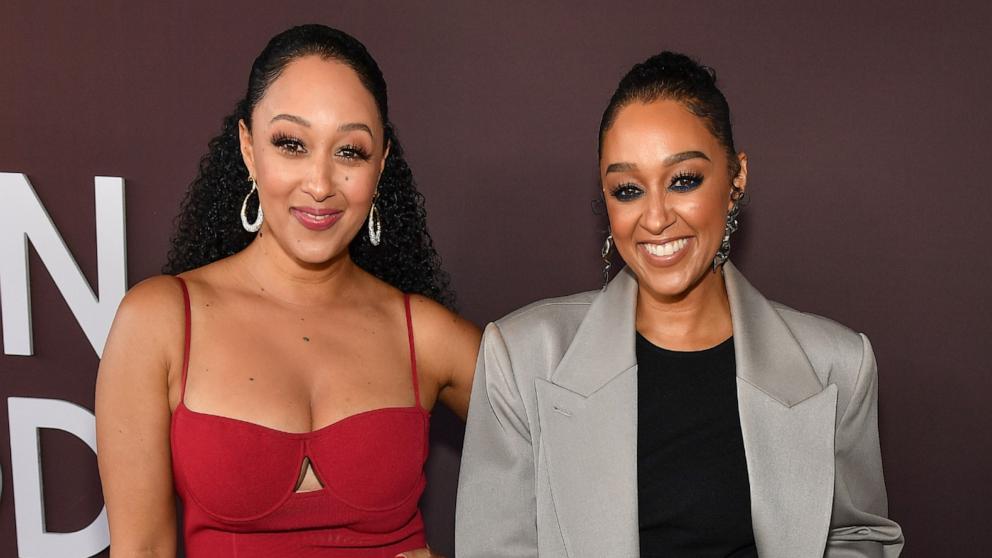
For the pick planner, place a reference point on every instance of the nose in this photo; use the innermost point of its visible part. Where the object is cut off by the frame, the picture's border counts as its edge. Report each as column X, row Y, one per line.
column 320, row 183
column 657, row 215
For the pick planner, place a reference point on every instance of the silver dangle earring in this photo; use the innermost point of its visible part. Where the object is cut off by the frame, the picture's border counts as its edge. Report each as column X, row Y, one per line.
column 723, row 254
column 605, row 253
column 375, row 223
column 257, row 223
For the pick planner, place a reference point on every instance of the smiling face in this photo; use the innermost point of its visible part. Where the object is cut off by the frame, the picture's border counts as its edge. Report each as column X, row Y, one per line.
column 667, row 186
column 316, row 150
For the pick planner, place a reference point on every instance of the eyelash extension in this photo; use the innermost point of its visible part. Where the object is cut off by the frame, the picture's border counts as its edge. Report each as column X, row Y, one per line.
column 626, row 191
column 357, row 152
column 686, row 180
column 288, row 143
column 683, row 181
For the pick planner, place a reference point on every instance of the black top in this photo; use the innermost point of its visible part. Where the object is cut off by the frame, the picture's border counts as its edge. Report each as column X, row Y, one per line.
column 693, row 491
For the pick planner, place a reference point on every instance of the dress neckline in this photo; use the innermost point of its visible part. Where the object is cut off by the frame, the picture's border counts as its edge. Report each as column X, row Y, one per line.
column 182, row 407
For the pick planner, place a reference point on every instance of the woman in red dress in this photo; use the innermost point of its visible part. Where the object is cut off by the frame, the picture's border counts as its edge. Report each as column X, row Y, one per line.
column 280, row 377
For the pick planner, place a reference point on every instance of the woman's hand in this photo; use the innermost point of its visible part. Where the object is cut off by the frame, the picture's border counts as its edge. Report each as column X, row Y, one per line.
column 419, row 553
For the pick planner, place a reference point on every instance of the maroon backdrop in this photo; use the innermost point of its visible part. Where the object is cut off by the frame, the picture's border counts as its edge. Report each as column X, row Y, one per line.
column 866, row 128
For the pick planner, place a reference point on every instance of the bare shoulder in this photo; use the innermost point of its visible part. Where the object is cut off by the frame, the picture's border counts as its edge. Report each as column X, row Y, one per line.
column 151, row 300
column 447, row 351
column 435, row 328
column 433, row 323
column 447, row 344
column 150, row 321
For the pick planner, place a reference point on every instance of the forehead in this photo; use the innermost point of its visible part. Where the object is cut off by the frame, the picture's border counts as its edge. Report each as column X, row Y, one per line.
column 319, row 90
column 654, row 130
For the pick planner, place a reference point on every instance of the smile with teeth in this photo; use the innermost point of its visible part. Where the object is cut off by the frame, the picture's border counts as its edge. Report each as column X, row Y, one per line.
column 317, row 218
column 666, row 249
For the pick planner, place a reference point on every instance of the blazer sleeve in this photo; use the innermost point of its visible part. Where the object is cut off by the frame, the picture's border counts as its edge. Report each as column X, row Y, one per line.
column 860, row 527
column 495, row 514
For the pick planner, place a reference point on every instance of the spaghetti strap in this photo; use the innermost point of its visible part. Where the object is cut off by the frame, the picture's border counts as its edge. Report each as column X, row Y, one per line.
column 186, row 338
column 413, row 350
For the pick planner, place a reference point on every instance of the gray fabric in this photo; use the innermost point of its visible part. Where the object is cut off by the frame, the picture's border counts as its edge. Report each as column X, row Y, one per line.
column 550, row 456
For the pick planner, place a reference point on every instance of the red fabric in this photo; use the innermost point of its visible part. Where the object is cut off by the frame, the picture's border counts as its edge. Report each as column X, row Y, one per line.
column 236, row 481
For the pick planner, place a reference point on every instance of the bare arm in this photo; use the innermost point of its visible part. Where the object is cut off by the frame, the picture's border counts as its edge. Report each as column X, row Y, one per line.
column 448, row 346
column 133, row 420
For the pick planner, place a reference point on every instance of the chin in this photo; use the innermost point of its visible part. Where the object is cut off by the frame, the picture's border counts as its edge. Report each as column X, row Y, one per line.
column 670, row 283
column 316, row 255
column 666, row 289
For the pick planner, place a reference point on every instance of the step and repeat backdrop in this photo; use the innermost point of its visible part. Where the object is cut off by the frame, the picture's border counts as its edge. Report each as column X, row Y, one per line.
column 867, row 129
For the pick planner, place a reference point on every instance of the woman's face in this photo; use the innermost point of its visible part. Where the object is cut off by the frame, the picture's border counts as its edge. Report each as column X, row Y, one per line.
column 316, row 151
column 668, row 190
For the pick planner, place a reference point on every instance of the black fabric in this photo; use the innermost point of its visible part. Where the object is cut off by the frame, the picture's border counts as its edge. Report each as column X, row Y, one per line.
column 693, row 491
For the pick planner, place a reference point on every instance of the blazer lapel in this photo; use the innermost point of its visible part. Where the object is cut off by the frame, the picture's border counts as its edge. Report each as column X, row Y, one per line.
column 588, row 416
column 787, row 422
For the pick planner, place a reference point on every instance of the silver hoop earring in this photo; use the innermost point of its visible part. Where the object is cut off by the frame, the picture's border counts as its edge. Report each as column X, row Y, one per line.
column 723, row 253
column 257, row 223
column 375, row 225
column 605, row 253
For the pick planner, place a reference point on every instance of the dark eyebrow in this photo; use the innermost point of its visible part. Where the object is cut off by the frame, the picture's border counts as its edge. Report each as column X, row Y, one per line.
column 291, row 118
column 342, row 128
column 356, row 126
column 684, row 156
column 621, row 167
column 669, row 161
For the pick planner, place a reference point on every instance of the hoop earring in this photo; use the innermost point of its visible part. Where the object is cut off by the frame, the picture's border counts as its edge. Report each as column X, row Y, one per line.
column 375, row 224
column 257, row 223
column 605, row 253
column 723, row 253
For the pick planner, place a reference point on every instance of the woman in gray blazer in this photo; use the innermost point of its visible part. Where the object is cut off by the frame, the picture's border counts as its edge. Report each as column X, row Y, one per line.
column 677, row 412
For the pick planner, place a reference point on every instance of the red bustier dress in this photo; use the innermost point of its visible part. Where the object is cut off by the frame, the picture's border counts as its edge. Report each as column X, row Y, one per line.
column 236, row 480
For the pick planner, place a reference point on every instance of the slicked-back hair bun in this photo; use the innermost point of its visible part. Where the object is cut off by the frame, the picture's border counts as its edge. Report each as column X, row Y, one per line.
column 676, row 77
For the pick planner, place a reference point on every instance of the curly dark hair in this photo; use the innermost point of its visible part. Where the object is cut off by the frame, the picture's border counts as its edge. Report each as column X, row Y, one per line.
column 670, row 75
column 208, row 226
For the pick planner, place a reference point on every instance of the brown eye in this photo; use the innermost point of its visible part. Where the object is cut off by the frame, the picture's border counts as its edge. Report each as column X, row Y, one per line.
column 354, row 152
column 686, row 181
column 289, row 144
column 626, row 192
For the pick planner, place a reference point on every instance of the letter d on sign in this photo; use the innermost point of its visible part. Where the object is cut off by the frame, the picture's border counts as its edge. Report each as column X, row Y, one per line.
column 26, row 416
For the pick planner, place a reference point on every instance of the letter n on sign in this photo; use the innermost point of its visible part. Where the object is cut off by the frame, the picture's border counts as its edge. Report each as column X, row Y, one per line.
column 23, row 218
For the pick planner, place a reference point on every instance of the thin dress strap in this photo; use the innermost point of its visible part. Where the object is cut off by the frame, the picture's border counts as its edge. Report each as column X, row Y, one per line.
column 186, row 337
column 413, row 350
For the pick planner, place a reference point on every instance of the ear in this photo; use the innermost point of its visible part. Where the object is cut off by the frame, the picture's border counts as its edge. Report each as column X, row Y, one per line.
column 385, row 155
column 382, row 167
column 247, row 152
column 740, row 181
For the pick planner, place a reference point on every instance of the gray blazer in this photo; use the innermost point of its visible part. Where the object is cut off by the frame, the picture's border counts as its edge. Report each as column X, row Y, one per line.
column 549, row 466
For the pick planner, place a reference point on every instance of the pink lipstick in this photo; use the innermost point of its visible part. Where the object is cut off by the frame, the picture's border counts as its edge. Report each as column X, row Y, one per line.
column 316, row 219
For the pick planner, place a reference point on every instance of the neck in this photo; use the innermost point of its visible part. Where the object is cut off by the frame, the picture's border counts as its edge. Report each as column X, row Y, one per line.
column 272, row 272
column 694, row 320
